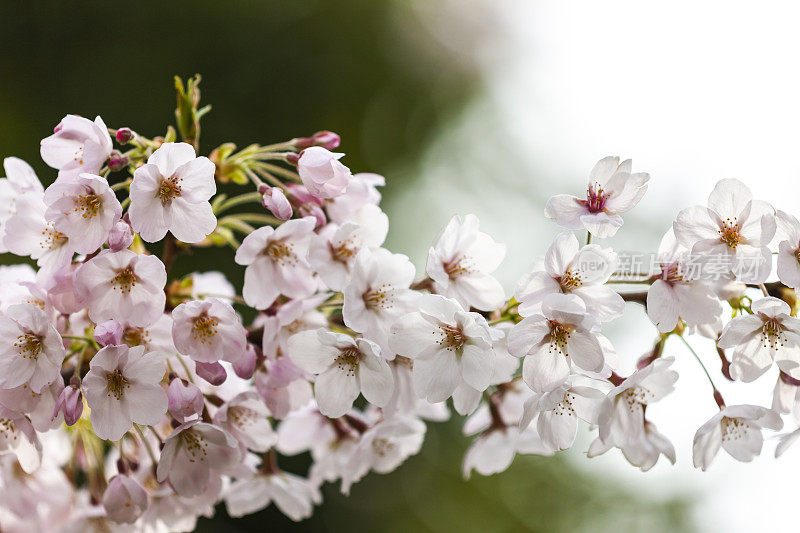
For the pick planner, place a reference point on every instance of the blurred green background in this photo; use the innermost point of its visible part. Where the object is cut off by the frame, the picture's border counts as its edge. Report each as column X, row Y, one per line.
column 379, row 74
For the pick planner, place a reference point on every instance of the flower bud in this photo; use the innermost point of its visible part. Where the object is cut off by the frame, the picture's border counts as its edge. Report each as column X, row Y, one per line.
column 292, row 158
column 125, row 135
column 245, row 366
column 120, row 236
column 108, row 332
column 322, row 173
column 185, row 400
column 70, row 402
column 275, row 200
column 117, row 161
column 214, row 373
column 325, row 139
column 316, row 212
column 124, row 499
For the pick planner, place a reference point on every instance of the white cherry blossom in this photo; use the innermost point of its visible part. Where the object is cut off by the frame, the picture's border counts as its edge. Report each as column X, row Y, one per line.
column 461, row 262
column 737, row 428
column 448, row 346
column 788, row 260
column 293, row 496
column 322, row 173
column 32, row 351
column 171, row 193
column 612, row 190
column 208, row 330
column 123, row 388
column 78, row 145
column 277, row 263
column 20, row 178
column 344, row 366
column 572, row 269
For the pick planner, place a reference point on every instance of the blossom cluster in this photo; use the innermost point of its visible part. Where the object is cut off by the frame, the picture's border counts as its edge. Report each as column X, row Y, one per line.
column 134, row 399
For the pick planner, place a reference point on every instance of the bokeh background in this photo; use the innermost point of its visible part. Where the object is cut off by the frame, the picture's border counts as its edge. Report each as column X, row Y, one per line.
column 484, row 106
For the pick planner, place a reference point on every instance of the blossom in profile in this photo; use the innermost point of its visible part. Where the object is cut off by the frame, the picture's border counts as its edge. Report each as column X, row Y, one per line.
column 293, row 495
column 124, row 500
column 78, row 145
column 171, row 192
column 322, row 173
column 738, row 430
column 461, row 263
column 612, row 190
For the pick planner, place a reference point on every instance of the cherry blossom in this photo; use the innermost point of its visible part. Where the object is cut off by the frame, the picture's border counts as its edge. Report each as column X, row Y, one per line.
column 572, row 269
column 734, row 227
column 84, row 209
column 344, row 367
column 78, row 145
column 788, row 265
column 377, row 294
column 461, row 262
column 123, row 388
column 32, row 350
column 293, row 495
column 123, row 286
column 124, row 499
column 322, row 173
column 555, row 341
column 20, row 178
column 769, row 335
column 208, row 330
column 171, row 192
column 448, row 346
column 737, row 428
column 276, row 261
column 246, row 418
column 362, row 190
column 612, row 190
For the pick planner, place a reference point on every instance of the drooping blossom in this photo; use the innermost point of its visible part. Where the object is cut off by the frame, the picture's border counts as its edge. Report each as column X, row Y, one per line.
column 572, row 269
column 123, row 286
column 555, row 341
column 461, row 262
column 733, row 228
column 293, row 496
column 448, row 346
column 20, row 178
column 18, row 437
column 194, row 455
column 122, row 388
column 184, row 400
column 277, row 263
column 788, row 262
column 674, row 295
column 769, row 335
column 171, row 192
column 377, row 294
column 78, row 145
column 124, row 499
column 345, row 367
column 737, row 428
column 208, row 330
column 612, row 190
column 84, row 209
column 322, row 173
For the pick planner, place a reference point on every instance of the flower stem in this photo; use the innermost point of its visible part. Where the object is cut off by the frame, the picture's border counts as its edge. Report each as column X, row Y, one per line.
column 238, row 200
column 717, row 394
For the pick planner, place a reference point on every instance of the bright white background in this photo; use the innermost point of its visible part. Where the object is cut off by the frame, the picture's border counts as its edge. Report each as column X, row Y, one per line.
column 693, row 92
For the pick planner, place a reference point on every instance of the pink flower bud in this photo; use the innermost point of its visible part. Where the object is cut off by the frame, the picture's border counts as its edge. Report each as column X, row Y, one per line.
column 214, row 373
column 70, row 402
column 246, row 365
column 185, row 400
column 292, row 158
column 316, row 212
column 117, row 161
column 275, row 200
column 124, row 499
column 322, row 173
column 325, row 139
column 108, row 332
column 125, row 135
column 120, row 236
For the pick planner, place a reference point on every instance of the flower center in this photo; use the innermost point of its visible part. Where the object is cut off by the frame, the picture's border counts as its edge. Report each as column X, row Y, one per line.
column 671, row 273
column 564, row 407
column 729, row 233
column 135, row 337
column 281, row 252
column 29, row 346
column 636, row 397
column 456, row 268
column 51, row 238
column 595, row 199
column 348, row 360
column 380, row 298
column 569, row 281
column 196, row 446
column 117, row 383
column 88, row 205
column 204, row 328
column 453, row 339
column 733, row 428
column 559, row 336
column 169, row 189
column 125, row 280
column 344, row 251
column 772, row 334
column 382, row 447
